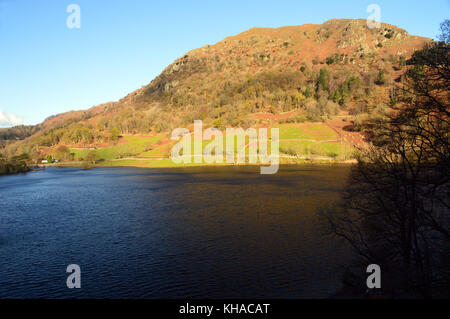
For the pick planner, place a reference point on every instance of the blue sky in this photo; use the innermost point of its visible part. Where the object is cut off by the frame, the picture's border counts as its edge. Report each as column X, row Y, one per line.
column 47, row 68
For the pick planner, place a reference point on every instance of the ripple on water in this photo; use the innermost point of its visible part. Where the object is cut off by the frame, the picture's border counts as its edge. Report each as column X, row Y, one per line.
column 148, row 233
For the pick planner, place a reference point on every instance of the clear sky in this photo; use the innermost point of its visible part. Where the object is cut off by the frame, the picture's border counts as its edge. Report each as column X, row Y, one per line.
column 47, row 68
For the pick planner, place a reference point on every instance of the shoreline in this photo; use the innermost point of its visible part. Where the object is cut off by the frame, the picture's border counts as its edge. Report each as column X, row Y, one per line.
column 167, row 163
column 164, row 164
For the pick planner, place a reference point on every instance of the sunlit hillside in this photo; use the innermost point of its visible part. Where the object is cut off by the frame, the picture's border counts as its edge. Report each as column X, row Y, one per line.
column 320, row 84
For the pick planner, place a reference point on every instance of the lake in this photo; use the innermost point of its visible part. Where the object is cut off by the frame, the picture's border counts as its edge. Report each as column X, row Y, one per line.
column 209, row 232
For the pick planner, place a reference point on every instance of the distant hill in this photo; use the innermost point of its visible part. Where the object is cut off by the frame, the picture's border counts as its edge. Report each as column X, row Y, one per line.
column 16, row 133
column 337, row 73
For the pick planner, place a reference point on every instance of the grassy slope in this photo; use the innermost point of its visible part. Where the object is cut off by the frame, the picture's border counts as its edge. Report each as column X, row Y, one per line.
column 297, row 143
column 312, row 139
column 130, row 146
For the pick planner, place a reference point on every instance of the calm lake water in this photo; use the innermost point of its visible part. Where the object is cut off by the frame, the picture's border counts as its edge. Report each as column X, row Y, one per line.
column 158, row 233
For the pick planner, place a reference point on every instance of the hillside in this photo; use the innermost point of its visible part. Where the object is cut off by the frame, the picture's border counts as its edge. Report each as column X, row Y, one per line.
column 317, row 83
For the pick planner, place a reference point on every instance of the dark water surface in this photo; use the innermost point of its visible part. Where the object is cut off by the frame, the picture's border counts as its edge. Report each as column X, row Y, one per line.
column 159, row 233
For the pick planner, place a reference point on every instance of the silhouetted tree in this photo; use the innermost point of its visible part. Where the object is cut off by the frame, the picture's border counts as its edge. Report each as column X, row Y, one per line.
column 396, row 208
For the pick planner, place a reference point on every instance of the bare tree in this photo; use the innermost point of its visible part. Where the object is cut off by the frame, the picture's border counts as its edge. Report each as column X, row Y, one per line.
column 396, row 208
